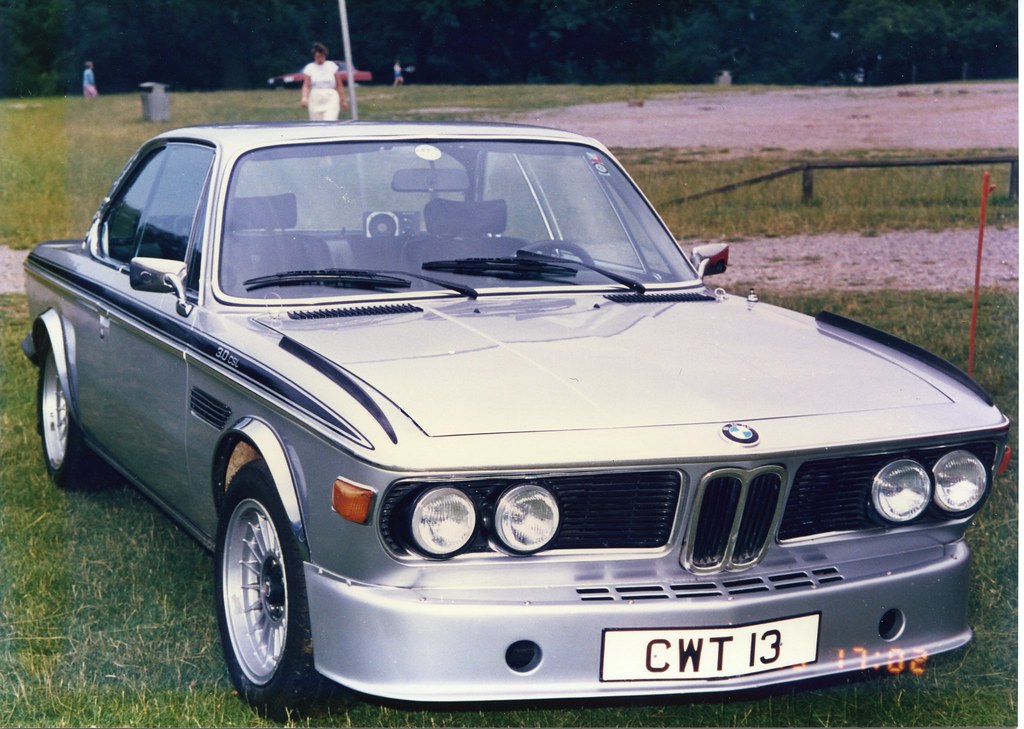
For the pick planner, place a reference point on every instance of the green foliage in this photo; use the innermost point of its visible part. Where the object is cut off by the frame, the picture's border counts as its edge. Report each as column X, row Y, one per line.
column 759, row 41
column 218, row 44
column 929, row 40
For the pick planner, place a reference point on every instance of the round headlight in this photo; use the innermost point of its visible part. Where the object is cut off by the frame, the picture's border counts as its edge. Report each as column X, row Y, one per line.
column 526, row 518
column 443, row 521
column 901, row 490
column 960, row 481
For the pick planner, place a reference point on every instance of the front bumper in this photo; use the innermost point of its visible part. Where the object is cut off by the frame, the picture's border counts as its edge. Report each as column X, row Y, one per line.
column 419, row 645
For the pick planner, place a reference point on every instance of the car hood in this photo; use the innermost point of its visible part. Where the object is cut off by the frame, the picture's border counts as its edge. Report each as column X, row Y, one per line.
column 529, row 364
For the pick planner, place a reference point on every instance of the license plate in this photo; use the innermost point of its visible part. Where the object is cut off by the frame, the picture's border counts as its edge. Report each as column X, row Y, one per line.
column 674, row 654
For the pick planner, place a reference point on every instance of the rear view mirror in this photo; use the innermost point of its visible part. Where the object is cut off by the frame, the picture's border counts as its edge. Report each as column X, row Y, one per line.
column 710, row 259
column 430, row 179
column 160, row 275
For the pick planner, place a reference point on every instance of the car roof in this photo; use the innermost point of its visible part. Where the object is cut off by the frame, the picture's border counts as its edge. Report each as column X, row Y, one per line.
column 241, row 136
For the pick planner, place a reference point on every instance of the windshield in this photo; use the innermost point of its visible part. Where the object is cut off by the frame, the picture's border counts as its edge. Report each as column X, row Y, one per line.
column 344, row 219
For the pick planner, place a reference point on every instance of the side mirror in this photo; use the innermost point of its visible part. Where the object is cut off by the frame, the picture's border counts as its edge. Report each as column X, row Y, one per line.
column 160, row 275
column 710, row 259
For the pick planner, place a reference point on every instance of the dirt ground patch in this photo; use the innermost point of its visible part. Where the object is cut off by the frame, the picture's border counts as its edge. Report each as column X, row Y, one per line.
column 941, row 116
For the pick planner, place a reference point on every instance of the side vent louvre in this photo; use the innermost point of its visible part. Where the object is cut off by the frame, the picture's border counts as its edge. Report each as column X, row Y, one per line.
column 355, row 311
column 657, row 298
column 209, row 409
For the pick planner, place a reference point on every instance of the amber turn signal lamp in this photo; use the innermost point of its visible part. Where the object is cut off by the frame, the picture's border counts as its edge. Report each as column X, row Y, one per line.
column 1005, row 462
column 352, row 502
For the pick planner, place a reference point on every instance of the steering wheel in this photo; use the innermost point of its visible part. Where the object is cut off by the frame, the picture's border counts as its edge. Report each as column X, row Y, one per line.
column 561, row 249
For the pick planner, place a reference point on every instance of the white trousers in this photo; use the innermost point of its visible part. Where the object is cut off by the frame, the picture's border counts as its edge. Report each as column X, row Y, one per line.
column 324, row 105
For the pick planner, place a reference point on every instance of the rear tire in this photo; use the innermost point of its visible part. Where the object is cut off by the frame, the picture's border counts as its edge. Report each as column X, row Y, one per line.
column 262, row 609
column 69, row 461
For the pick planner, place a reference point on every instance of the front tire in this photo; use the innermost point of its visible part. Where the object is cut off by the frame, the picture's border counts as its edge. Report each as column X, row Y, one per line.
column 262, row 610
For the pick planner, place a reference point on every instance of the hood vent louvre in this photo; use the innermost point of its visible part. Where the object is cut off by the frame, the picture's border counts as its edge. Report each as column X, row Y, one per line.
column 355, row 311
column 658, row 298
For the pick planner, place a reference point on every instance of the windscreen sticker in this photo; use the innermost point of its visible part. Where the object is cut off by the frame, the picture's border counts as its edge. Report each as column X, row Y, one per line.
column 598, row 164
column 428, row 152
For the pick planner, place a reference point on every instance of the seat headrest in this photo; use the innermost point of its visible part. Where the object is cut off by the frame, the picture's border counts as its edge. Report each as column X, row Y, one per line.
column 457, row 218
column 268, row 212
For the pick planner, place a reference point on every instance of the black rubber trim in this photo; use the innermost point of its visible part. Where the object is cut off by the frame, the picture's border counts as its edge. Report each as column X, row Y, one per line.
column 828, row 318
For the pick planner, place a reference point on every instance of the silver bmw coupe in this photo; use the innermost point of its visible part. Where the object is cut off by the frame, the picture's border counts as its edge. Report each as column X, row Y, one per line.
column 461, row 421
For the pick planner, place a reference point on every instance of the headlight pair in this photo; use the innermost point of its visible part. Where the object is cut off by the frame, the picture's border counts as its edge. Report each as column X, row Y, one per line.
column 903, row 489
column 445, row 520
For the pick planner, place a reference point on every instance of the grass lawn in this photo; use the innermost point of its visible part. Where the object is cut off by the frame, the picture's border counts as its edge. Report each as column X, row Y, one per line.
column 106, row 608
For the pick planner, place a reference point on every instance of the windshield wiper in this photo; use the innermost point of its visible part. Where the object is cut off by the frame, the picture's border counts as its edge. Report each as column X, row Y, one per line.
column 519, row 269
column 467, row 291
column 624, row 280
column 329, row 277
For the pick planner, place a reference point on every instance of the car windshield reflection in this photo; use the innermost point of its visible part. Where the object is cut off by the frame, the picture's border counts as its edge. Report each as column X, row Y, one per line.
column 298, row 215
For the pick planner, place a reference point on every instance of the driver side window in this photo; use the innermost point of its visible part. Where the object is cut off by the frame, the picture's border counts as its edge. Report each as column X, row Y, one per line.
column 154, row 214
column 125, row 217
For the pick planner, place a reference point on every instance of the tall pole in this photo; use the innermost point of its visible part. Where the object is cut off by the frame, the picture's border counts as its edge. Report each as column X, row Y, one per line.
column 986, row 189
column 348, row 60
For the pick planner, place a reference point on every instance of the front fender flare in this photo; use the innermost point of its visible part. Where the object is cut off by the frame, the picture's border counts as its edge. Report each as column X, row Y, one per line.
column 284, row 472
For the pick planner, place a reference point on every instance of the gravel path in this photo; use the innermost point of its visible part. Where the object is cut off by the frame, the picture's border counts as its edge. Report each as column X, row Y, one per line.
column 924, row 117
column 938, row 261
column 11, row 277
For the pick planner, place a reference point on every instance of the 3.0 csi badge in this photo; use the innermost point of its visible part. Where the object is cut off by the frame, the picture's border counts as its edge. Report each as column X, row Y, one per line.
column 740, row 433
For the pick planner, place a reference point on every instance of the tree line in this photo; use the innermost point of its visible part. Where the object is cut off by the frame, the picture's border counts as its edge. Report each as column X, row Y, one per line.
column 218, row 44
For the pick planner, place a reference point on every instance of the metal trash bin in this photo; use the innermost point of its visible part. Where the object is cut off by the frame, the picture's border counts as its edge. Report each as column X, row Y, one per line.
column 156, row 102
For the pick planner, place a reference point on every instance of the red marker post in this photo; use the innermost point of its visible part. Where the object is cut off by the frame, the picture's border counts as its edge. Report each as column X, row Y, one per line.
column 986, row 188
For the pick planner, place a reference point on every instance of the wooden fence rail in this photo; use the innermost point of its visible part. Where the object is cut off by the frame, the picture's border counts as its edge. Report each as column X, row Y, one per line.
column 807, row 169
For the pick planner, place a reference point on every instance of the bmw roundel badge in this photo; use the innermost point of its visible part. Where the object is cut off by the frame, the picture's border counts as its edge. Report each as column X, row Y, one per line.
column 740, row 433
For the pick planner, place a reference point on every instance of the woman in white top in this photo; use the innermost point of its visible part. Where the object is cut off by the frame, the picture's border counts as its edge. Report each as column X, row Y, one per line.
column 323, row 92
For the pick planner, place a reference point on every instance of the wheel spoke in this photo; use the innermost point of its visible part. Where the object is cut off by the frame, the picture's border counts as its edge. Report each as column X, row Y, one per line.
column 250, row 566
column 251, row 547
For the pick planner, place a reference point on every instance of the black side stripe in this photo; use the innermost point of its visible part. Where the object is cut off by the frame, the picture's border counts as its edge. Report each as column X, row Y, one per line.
column 341, row 378
column 271, row 381
column 180, row 332
column 901, row 345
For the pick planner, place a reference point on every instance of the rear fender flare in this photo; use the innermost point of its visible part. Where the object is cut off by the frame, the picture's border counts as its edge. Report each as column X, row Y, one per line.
column 48, row 332
column 248, row 440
